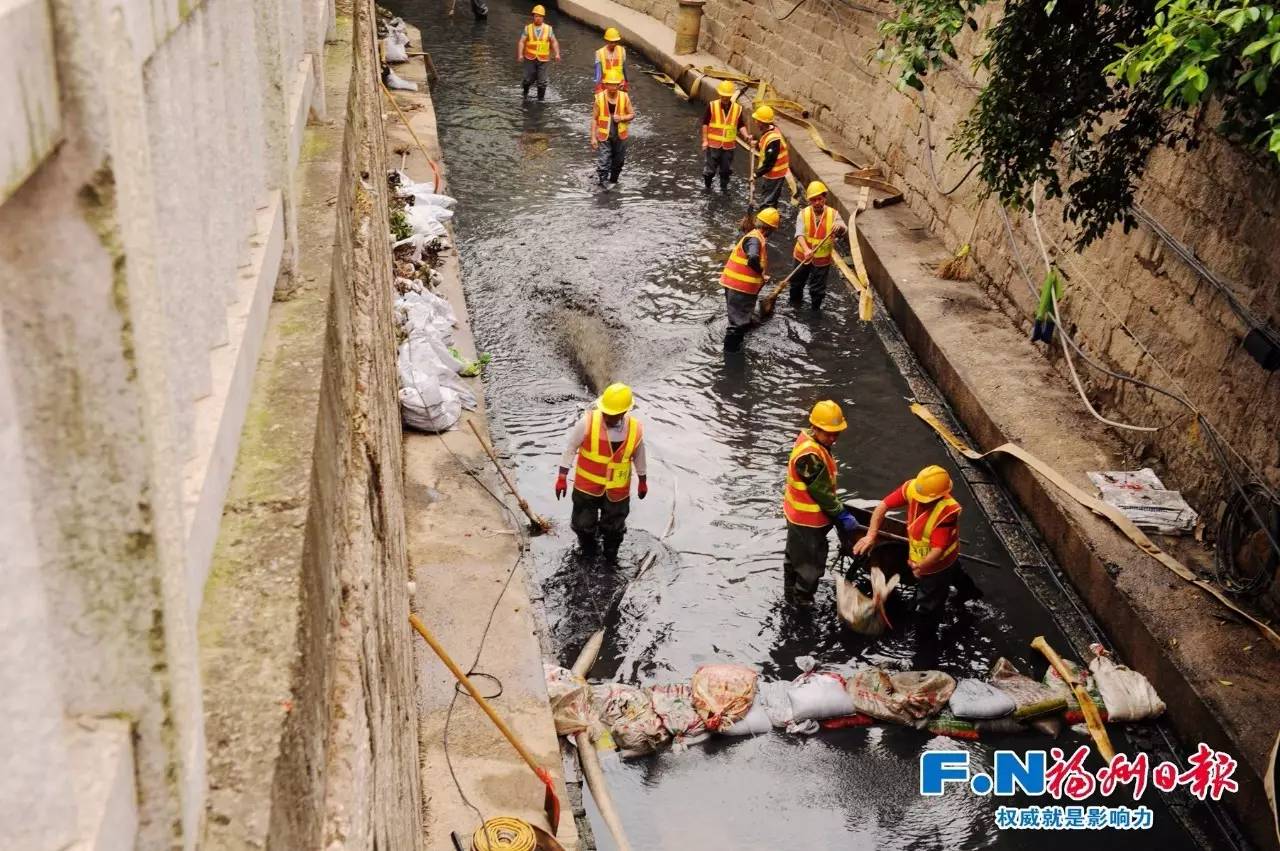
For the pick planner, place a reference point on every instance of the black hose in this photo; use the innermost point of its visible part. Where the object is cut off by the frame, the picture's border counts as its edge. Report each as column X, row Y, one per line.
column 1239, row 523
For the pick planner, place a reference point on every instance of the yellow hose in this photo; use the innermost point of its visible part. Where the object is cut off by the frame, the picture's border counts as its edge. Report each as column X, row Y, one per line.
column 504, row 833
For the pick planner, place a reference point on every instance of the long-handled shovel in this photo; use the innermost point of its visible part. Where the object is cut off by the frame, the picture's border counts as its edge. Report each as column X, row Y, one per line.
column 1092, row 718
column 748, row 221
column 537, row 523
column 771, row 298
column 550, row 802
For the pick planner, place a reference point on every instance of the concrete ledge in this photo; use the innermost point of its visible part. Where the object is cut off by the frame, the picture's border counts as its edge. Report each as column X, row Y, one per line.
column 106, row 801
column 462, row 551
column 1003, row 390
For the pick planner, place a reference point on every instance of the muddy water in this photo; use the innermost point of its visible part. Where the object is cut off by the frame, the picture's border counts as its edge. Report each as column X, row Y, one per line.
column 569, row 288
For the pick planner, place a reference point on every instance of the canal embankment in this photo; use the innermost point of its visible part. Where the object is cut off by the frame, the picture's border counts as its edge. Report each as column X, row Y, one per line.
column 1217, row 673
column 467, row 555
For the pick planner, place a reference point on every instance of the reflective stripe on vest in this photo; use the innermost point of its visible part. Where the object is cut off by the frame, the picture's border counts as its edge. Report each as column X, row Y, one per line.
column 815, row 230
column 602, row 115
column 783, row 162
column 609, row 60
column 537, row 42
column 921, row 521
column 737, row 275
column 601, row 470
column 798, row 507
column 722, row 132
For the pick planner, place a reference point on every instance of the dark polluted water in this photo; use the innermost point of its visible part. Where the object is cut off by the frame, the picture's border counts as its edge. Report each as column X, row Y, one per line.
column 568, row 286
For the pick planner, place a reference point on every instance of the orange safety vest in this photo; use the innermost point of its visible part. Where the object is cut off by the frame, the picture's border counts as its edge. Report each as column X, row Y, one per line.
column 737, row 275
column 816, row 230
column 722, row 132
column 602, row 115
column 922, row 519
column 607, row 60
column 782, row 164
column 601, row 469
column 537, row 42
column 798, row 507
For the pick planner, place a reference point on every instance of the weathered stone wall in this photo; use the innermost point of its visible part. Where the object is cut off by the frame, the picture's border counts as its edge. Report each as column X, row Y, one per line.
column 1213, row 199
column 307, row 653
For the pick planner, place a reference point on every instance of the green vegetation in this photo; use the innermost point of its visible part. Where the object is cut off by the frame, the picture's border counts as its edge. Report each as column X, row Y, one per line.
column 400, row 228
column 1077, row 93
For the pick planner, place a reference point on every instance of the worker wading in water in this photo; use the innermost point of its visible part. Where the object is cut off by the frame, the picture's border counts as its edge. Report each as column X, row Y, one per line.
column 773, row 159
column 607, row 443
column 933, row 529
column 612, row 56
column 745, row 272
column 813, row 225
column 535, row 48
column 610, row 118
column 721, row 124
column 811, row 506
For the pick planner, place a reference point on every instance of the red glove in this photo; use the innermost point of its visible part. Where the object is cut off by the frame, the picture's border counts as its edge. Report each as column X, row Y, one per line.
column 643, row 489
column 562, row 485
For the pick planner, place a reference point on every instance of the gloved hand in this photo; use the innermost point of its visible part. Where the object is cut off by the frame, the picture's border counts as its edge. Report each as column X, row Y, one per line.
column 846, row 527
column 562, row 485
column 642, row 490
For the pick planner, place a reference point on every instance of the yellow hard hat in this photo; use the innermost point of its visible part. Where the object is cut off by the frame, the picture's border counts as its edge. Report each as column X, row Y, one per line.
column 763, row 114
column 612, row 34
column 539, row 10
column 931, row 484
column 613, row 77
column 827, row 416
column 616, row 399
column 768, row 216
column 815, row 189
column 726, row 89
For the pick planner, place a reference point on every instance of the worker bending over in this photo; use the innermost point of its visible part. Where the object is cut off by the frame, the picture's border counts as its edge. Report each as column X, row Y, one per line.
column 773, row 158
column 745, row 272
column 818, row 226
column 535, row 48
column 606, row 443
column 721, row 124
column 610, row 120
column 811, row 506
column 933, row 533
column 612, row 56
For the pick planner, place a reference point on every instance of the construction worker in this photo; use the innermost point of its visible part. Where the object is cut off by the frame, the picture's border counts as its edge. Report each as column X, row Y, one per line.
column 721, row 124
column 607, row 443
column 745, row 272
column 933, row 532
column 773, row 159
column 610, row 120
column 818, row 226
column 811, row 506
column 612, row 55
column 536, row 46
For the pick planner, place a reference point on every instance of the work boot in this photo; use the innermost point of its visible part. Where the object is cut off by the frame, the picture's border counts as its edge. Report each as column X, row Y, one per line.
column 587, row 544
column 611, row 545
column 524, row 91
column 733, row 340
column 706, row 182
column 724, row 183
column 817, row 302
column 542, row 92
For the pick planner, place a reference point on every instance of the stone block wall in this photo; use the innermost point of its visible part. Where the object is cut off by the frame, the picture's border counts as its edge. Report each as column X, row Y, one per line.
column 1214, row 199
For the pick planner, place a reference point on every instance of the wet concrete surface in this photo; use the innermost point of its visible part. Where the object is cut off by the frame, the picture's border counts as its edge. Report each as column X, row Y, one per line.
column 568, row 287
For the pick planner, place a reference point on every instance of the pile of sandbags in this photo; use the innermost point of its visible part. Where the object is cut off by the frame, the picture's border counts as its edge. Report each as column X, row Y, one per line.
column 431, row 394
column 732, row 700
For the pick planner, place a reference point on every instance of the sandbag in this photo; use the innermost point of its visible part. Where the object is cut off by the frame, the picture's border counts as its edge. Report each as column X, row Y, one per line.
column 946, row 724
column 674, row 705
column 973, row 700
column 1072, row 714
column 570, row 700
column 908, row 697
column 865, row 614
column 393, row 51
column 755, row 723
column 819, row 695
column 1036, row 704
column 628, row 711
column 1129, row 695
column 723, row 694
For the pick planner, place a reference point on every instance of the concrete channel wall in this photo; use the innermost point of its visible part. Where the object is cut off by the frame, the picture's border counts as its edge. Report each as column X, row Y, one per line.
column 1215, row 199
column 204, row 563
column 983, row 364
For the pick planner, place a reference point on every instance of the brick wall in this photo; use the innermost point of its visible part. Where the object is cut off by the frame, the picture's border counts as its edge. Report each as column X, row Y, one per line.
column 1213, row 199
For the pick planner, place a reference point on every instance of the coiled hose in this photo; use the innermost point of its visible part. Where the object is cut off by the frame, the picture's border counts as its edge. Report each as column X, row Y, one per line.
column 1242, row 566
